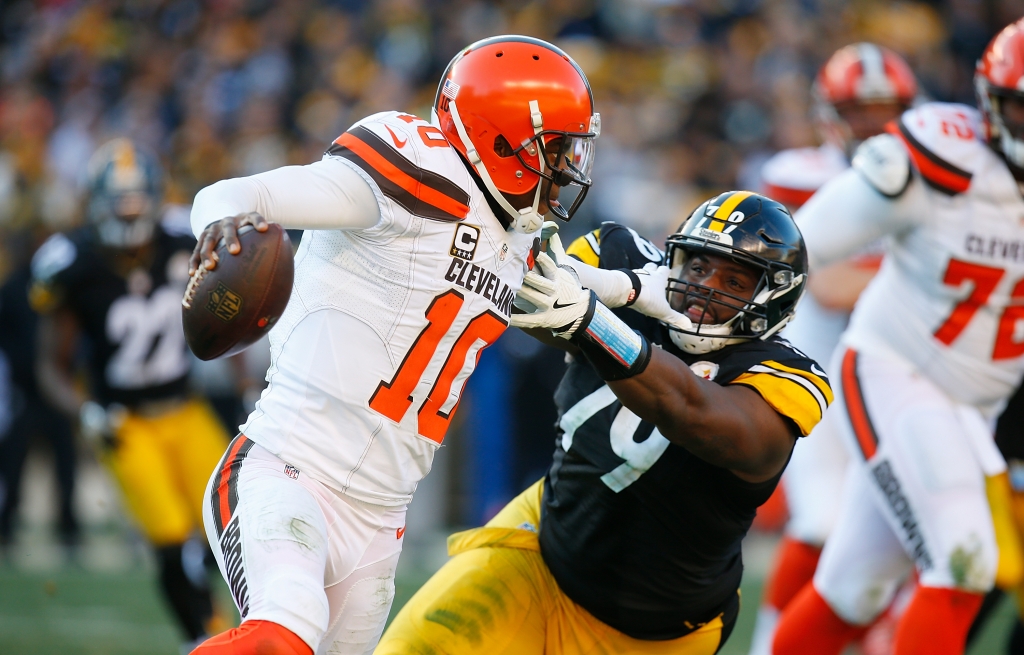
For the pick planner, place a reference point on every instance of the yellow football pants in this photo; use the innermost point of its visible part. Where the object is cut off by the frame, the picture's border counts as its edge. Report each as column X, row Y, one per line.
column 162, row 464
column 497, row 597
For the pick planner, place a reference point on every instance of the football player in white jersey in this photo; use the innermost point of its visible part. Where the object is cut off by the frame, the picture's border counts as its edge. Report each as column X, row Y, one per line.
column 932, row 352
column 857, row 91
column 418, row 235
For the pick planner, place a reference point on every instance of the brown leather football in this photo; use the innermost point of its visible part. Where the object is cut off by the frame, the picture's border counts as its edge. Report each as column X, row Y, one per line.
column 229, row 308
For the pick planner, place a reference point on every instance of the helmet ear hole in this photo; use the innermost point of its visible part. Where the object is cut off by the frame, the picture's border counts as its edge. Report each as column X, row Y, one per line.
column 502, row 147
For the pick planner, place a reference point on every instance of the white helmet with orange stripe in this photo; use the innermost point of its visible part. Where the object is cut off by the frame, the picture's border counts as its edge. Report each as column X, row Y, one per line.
column 860, row 88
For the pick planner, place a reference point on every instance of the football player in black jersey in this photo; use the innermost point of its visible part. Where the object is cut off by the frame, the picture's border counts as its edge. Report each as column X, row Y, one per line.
column 675, row 425
column 117, row 284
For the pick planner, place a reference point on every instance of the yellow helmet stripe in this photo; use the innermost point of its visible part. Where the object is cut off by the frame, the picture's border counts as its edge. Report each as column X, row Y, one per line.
column 727, row 207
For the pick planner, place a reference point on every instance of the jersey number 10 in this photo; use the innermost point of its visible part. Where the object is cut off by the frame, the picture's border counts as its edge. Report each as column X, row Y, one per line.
column 984, row 279
column 393, row 399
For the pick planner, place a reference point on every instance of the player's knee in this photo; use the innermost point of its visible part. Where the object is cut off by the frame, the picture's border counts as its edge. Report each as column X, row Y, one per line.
column 298, row 601
column 853, row 599
column 970, row 566
column 255, row 638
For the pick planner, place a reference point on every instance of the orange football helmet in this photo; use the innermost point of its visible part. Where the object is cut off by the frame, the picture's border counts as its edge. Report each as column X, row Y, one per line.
column 857, row 75
column 998, row 76
column 520, row 110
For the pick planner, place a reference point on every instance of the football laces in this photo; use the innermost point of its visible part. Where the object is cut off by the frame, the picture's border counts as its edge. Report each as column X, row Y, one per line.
column 193, row 284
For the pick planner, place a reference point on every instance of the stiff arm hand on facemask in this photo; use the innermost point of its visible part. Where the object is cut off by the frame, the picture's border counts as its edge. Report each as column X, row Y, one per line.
column 553, row 298
column 643, row 290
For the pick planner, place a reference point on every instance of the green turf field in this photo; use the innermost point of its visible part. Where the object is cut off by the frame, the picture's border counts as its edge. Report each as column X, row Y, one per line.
column 72, row 610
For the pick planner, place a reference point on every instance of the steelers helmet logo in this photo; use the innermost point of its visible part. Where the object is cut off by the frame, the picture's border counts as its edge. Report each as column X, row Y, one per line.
column 706, row 370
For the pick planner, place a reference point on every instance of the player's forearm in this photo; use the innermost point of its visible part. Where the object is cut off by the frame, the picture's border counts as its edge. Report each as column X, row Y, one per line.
column 728, row 426
column 57, row 343
column 325, row 195
column 58, row 390
column 613, row 288
column 669, row 395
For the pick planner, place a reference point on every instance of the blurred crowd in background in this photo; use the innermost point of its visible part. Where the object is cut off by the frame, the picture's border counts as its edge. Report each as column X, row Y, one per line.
column 695, row 95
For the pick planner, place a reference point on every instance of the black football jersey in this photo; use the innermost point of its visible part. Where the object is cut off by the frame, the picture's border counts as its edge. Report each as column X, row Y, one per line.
column 128, row 305
column 639, row 531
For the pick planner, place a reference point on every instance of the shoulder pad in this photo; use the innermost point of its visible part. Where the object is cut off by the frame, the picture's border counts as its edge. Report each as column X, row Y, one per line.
column 411, row 162
column 587, row 248
column 944, row 143
column 55, row 255
column 794, row 385
column 884, row 163
column 792, row 176
column 623, row 247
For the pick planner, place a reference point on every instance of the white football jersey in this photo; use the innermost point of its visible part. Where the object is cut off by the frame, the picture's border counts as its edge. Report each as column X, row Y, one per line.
column 385, row 324
column 791, row 177
column 949, row 297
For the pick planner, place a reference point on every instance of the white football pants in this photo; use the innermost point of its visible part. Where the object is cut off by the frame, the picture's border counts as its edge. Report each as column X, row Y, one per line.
column 914, row 493
column 301, row 555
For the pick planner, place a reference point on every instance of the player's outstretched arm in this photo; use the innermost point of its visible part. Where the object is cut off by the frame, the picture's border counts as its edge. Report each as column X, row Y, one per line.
column 877, row 196
column 729, row 426
column 325, row 195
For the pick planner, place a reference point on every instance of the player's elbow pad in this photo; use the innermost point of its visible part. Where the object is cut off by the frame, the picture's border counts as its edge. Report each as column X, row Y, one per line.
column 883, row 162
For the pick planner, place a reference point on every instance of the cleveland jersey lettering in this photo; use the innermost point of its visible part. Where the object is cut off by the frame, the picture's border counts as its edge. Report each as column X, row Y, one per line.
column 385, row 324
column 634, row 527
column 949, row 292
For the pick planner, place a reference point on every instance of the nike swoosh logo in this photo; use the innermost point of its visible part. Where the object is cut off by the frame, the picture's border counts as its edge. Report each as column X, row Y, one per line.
column 394, row 137
column 400, row 531
column 557, row 306
column 816, row 370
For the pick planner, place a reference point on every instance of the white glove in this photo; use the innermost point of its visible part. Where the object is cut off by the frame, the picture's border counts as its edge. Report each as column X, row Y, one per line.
column 653, row 300
column 553, row 299
column 554, row 249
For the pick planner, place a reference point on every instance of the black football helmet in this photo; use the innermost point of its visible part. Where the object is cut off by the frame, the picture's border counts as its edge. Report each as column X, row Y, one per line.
column 125, row 191
column 751, row 230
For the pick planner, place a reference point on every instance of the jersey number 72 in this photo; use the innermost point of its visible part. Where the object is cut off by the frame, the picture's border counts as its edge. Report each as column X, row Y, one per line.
column 393, row 399
column 984, row 280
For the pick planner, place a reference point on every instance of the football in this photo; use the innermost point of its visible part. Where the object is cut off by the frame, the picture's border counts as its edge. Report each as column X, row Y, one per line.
column 231, row 307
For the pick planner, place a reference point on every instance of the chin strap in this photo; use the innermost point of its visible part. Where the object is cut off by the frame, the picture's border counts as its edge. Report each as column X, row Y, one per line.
column 525, row 220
